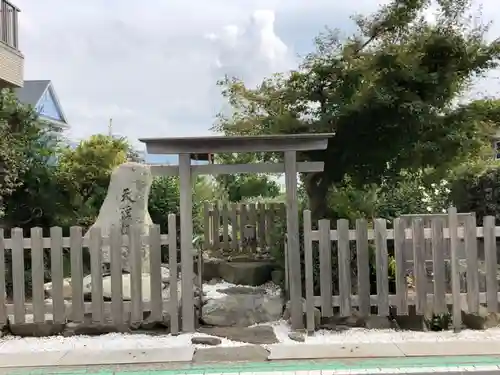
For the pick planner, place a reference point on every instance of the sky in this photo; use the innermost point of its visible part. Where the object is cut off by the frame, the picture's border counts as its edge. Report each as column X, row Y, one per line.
column 152, row 67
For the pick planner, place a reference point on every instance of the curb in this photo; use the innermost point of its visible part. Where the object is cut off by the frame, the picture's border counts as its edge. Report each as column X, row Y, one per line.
column 384, row 350
column 484, row 365
column 189, row 356
column 89, row 357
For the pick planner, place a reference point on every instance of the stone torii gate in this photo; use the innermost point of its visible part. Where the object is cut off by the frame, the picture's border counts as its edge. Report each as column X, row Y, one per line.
column 186, row 147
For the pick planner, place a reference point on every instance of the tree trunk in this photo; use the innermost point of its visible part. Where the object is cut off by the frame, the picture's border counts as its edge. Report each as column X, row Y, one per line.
column 317, row 195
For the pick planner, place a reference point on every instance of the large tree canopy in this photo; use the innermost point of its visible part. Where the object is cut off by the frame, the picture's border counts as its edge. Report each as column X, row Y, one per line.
column 25, row 144
column 387, row 93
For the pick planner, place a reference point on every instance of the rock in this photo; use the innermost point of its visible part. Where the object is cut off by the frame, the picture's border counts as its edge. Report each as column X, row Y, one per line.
column 87, row 286
column 356, row 320
column 47, row 328
column 211, row 269
column 296, row 336
column 165, row 274
column 412, row 321
column 258, row 335
column 67, row 291
column 205, row 340
column 246, row 273
column 380, row 322
column 278, row 277
column 242, row 310
column 93, row 329
column 126, row 204
column 240, row 289
column 317, row 314
column 480, row 320
column 154, row 324
column 126, row 287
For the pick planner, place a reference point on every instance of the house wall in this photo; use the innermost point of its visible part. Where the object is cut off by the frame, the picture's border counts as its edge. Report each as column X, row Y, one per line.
column 11, row 67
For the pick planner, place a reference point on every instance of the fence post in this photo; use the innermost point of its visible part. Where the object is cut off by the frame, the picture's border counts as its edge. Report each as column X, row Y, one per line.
column 3, row 294
column 382, row 263
column 18, row 274
column 172, row 266
column 233, row 213
column 325, row 268
column 207, row 222
column 344, row 264
column 490, row 252
column 115, row 250
column 438, row 266
column 470, row 239
column 56, row 260
column 455, row 276
column 399, row 255
column 135, row 260
column 76, row 248
column 419, row 273
column 309, row 273
column 37, row 272
column 225, row 227
column 96, row 272
column 156, row 298
column 287, row 269
column 363, row 265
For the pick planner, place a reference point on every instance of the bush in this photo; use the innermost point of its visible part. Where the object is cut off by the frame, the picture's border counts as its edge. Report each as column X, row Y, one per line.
column 412, row 192
column 479, row 193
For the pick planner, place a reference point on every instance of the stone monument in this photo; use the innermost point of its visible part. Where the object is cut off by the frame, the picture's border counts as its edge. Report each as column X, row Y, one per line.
column 126, row 205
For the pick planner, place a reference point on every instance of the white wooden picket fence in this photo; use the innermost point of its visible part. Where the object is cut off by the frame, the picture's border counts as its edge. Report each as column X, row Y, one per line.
column 452, row 236
column 116, row 311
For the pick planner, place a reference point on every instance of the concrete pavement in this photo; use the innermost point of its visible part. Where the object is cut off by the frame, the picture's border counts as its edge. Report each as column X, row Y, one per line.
column 323, row 359
column 484, row 365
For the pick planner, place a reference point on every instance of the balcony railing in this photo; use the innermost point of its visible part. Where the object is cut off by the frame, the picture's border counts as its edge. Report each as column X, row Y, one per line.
column 9, row 27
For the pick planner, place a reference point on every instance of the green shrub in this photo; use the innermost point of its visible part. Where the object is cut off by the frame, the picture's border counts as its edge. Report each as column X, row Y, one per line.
column 479, row 193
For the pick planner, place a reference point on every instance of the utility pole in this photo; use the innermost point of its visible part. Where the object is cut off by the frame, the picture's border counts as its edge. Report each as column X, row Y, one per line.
column 110, row 127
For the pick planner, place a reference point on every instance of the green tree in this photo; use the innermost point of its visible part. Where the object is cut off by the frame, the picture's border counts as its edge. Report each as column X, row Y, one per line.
column 40, row 200
column 86, row 170
column 163, row 200
column 20, row 144
column 242, row 186
column 387, row 94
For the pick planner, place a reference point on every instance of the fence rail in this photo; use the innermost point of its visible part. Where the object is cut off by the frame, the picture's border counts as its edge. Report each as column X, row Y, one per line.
column 129, row 294
column 405, row 243
column 239, row 226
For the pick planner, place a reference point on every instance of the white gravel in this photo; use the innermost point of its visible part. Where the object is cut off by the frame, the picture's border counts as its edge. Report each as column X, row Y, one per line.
column 112, row 341
column 115, row 341
column 362, row 335
column 215, row 290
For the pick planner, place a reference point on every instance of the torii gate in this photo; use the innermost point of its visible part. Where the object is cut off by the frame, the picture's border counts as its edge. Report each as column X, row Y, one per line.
column 187, row 146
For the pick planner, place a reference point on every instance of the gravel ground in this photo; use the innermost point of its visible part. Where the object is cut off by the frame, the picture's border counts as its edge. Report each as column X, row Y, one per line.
column 12, row 344
column 362, row 335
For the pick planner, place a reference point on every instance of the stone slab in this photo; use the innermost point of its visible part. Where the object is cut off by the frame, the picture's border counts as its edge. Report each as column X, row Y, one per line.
column 419, row 349
column 31, row 359
column 254, row 353
column 320, row 351
column 91, row 357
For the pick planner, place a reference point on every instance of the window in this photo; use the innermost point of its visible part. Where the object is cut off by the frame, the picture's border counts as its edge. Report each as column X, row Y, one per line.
column 47, row 107
column 496, row 146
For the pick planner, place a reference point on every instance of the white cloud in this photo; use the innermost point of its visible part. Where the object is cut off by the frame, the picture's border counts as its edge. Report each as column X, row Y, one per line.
column 153, row 68
column 251, row 51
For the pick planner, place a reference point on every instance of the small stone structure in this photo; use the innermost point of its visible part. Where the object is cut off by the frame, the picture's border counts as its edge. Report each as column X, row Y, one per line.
column 126, row 204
